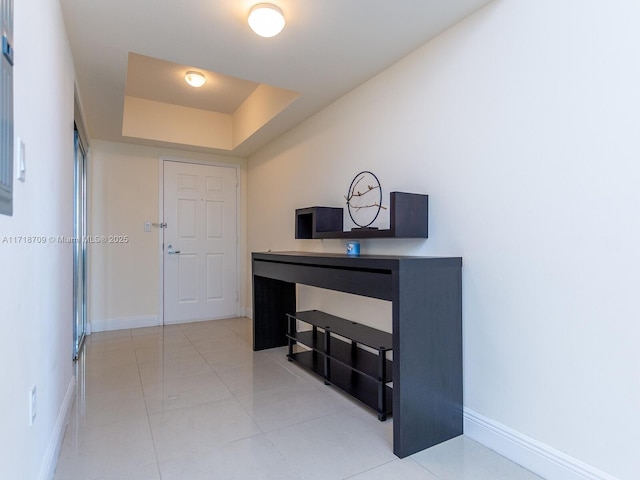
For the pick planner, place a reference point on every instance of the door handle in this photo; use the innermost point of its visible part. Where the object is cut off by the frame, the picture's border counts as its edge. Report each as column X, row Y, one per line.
column 171, row 251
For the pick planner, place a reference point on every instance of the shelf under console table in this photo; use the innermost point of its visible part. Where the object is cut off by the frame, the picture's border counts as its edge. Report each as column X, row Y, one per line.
column 344, row 363
column 426, row 328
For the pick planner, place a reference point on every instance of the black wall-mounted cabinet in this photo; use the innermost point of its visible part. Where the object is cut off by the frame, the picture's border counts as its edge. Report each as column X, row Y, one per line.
column 318, row 220
column 408, row 218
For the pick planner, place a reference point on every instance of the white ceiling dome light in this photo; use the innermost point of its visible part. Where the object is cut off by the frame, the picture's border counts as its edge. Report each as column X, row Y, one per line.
column 266, row 19
column 195, row 79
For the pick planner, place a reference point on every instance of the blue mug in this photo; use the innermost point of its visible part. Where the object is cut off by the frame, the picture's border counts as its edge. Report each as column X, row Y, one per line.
column 353, row 248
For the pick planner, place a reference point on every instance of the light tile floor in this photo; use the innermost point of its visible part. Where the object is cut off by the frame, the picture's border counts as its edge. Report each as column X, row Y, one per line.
column 194, row 402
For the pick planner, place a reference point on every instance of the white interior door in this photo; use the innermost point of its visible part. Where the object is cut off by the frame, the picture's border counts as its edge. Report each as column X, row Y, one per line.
column 200, row 242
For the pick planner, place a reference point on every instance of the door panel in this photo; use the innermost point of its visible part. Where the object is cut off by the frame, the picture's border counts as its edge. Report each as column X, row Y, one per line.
column 187, row 212
column 188, row 278
column 215, row 274
column 215, row 220
column 200, row 242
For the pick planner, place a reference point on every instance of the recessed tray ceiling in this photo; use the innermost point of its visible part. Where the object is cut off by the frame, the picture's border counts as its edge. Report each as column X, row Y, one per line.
column 222, row 114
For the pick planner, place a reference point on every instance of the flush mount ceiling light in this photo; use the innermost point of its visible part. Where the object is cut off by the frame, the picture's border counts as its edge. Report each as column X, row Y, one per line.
column 266, row 19
column 195, row 79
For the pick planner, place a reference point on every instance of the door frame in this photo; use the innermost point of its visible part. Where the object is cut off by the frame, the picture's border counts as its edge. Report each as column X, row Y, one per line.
column 80, row 228
column 81, row 225
column 166, row 158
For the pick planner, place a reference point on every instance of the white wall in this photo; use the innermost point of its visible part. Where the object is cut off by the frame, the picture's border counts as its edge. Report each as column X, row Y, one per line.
column 124, row 193
column 36, row 287
column 521, row 123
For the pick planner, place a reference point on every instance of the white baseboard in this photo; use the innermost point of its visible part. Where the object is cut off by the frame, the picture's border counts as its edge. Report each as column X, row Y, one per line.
column 197, row 320
column 55, row 442
column 533, row 455
column 146, row 321
column 124, row 323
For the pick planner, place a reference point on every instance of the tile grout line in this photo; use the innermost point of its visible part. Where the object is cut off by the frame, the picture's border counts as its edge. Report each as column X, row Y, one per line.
column 146, row 407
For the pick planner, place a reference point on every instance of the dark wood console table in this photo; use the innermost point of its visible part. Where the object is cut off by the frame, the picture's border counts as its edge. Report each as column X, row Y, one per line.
column 427, row 328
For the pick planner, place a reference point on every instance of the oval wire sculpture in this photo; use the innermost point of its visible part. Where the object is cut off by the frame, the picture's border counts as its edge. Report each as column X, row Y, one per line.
column 353, row 193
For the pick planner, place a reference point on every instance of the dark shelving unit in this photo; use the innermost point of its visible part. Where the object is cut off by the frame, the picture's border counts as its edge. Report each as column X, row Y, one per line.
column 408, row 218
column 312, row 221
column 359, row 372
